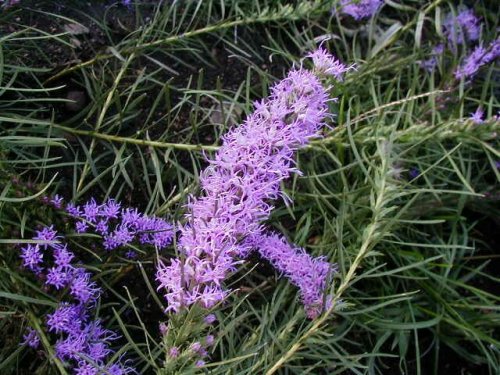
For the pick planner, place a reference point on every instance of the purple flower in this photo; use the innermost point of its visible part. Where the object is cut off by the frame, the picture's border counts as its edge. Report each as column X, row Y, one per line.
column 195, row 347
column 47, row 234
column 73, row 210
column 431, row 62
column 111, row 209
column 85, row 368
column 120, row 236
column 32, row 257
column 63, row 256
column 239, row 184
column 465, row 26
column 118, row 369
column 209, row 340
column 81, row 227
column 31, row 338
column 359, row 9
column 308, row 273
column 120, row 226
column 209, row 319
column 480, row 56
column 102, row 227
column 173, row 352
column 478, row 116
column 60, row 276
column 67, row 318
column 91, row 211
column 81, row 339
column 71, row 347
column 200, row 363
column 131, row 254
column 57, row 201
column 82, row 288
column 325, row 63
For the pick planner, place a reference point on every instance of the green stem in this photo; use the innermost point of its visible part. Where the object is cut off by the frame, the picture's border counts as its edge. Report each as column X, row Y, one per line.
column 135, row 141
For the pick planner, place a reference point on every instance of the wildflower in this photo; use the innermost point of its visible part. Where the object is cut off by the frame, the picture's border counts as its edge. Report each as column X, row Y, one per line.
column 102, row 227
column 71, row 347
column 118, row 369
column 325, row 63
column 82, row 288
column 131, row 254
column 59, row 276
column 81, row 227
column 47, row 234
column 110, row 210
column 478, row 116
column 67, row 318
column 195, row 347
column 62, row 256
column 85, row 368
column 359, row 9
column 431, row 62
column 173, row 352
column 163, row 329
column 57, row 201
column 31, row 338
column 73, row 210
column 91, row 211
column 465, row 26
column 480, row 56
column 32, row 257
column 80, row 337
column 239, row 184
column 200, row 363
column 209, row 319
column 309, row 274
column 120, row 226
column 209, row 340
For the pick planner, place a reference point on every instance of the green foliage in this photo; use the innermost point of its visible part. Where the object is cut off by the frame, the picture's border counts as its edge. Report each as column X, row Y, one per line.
column 156, row 88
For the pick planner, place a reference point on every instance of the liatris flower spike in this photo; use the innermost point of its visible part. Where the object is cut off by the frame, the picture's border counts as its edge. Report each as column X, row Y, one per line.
column 240, row 183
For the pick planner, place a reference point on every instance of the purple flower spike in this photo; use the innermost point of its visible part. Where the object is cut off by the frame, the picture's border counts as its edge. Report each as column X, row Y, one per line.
column 465, row 26
column 309, row 274
column 359, row 9
column 240, row 183
column 480, row 56
column 31, row 338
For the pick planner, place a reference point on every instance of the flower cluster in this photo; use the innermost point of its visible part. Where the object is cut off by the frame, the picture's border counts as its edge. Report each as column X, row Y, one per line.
column 464, row 27
column 80, row 338
column 480, row 56
column 120, row 226
column 309, row 274
column 240, row 182
column 433, row 60
column 359, row 9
